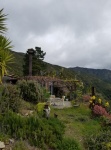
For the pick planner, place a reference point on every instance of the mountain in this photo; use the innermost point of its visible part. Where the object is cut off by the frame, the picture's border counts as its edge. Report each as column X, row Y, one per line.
column 99, row 78
column 103, row 74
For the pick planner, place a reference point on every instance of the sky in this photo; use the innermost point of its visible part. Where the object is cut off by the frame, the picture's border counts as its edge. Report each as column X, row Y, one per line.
column 71, row 32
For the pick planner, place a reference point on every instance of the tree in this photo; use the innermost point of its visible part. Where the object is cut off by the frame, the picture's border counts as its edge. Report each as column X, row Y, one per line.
column 5, row 46
column 38, row 65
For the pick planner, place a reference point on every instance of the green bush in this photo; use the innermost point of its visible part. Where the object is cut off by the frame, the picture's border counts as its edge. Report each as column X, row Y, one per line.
column 9, row 98
column 39, row 132
column 32, row 91
column 98, row 141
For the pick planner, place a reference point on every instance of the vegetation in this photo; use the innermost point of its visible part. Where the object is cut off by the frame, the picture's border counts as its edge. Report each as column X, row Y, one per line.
column 2, row 22
column 10, row 98
column 39, row 132
column 32, row 91
column 76, row 128
column 38, row 65
column 6, row 56
column 88, row 78
column 99, row 141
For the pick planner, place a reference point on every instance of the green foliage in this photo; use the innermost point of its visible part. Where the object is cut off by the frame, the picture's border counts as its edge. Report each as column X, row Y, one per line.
column 98, row 141
column 2, row 22
column 5, row 46
column 17, row 67
column 100, row 79
column 20, row 145
column 32, row 91
column 3, row 137
column 9, row 98
column 40, row 107
column 68, row 144
column 39, row 132
column 38, row 65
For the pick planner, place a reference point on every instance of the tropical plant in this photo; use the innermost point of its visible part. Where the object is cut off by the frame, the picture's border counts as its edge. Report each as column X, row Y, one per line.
column 2, row 22
column 5, row 46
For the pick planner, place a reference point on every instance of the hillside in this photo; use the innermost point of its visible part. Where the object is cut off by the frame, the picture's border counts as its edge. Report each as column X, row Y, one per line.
column 99, row 78
column 16, row 67
column 103, row 74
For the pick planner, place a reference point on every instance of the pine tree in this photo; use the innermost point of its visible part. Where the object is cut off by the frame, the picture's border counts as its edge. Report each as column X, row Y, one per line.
column 38, row 65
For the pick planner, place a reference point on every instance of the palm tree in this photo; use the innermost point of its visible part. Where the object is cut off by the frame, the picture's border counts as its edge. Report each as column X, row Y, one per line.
column 6, row 57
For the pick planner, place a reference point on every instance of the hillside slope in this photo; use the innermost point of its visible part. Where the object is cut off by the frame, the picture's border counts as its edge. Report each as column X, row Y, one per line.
column 99, row 78
column 103, row 74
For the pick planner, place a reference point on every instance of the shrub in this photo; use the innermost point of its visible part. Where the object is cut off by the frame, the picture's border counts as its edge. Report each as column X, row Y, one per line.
column 106, row 122
column 39, row 108
column 98, row 141
column 32, row 91
column 99, row 111
column 86, row 98
column 39, row 132
column 10, row 98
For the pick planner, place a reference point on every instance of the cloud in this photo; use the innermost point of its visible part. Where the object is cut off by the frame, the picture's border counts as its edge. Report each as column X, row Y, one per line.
column 71, row 32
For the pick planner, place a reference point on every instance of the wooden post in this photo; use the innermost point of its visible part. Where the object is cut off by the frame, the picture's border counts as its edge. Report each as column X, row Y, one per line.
column 93, row 91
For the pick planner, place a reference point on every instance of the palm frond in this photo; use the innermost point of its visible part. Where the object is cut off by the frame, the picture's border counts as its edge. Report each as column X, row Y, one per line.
column 3, row 18
column 5, row 43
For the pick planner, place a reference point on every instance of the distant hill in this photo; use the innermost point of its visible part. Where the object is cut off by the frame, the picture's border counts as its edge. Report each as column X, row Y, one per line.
column 99, row 78
column 103, row 74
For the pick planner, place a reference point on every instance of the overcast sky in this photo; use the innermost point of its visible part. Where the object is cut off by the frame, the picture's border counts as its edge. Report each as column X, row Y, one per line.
column 71, row 32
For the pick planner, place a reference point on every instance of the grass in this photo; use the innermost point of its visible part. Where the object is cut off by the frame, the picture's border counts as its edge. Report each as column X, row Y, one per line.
column 78, row 122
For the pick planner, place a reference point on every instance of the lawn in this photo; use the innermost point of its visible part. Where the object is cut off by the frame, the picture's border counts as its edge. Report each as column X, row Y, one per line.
column 78, row 122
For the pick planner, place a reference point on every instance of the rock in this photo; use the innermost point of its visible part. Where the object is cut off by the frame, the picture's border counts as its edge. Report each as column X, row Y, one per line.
column 26, row 114
column 11, row 141
column 2, row 145
column 31, row 112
